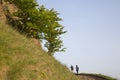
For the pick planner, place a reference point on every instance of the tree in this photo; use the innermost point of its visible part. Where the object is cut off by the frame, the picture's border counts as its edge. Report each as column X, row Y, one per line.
column 40, row 23
column 52, row 30
column 28, row 12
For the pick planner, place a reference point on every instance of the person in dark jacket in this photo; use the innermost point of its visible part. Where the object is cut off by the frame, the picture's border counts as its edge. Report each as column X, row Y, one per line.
column 72, row 68
column 77, row 69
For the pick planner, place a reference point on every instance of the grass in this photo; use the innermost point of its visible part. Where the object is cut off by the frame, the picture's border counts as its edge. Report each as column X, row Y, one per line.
column 21, row 59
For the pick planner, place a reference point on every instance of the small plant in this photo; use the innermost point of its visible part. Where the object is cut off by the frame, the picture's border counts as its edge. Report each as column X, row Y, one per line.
column 42, row 76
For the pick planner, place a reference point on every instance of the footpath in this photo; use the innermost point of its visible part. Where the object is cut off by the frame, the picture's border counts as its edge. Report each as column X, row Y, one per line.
column 89, row 77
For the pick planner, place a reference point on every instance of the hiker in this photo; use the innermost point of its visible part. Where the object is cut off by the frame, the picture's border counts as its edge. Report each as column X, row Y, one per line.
column 72, row 68
column 77, row 69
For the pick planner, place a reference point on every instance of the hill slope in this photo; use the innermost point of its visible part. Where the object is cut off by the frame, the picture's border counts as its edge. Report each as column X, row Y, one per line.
column 21, row 59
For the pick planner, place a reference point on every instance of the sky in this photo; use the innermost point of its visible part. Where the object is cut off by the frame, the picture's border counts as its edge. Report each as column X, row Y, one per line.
column 93, row 34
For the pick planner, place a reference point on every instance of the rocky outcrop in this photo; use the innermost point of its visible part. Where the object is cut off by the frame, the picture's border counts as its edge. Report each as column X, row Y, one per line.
column 6, row 9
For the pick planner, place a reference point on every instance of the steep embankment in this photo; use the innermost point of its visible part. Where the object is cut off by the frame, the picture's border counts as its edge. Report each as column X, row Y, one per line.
column 21, row 59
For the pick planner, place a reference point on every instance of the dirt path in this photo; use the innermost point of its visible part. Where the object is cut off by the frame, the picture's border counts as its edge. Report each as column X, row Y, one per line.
column 89, row 77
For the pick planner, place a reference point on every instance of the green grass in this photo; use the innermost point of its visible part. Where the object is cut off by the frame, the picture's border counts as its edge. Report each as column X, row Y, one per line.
column 21, row 59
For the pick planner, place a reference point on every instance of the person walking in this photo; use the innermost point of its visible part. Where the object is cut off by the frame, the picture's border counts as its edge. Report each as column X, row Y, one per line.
column 72, row 68
column 77, row 69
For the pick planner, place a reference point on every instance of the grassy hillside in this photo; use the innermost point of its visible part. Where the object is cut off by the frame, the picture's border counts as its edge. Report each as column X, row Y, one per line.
column 21, row 59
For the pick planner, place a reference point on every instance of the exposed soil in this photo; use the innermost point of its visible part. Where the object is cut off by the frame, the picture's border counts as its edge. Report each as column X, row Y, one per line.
column 2, row 15
column 4, row 8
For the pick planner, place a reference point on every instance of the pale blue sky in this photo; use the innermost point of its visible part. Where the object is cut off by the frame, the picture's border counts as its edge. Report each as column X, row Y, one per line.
column 93, row 37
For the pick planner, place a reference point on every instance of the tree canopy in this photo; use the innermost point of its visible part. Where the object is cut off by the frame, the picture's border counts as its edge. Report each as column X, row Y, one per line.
column 40, row 23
